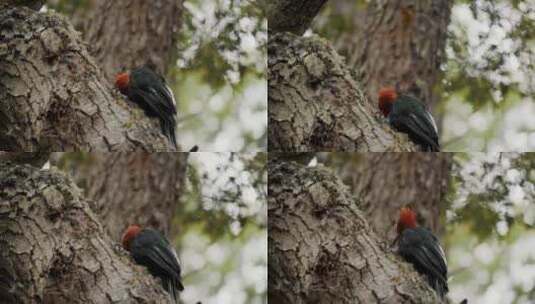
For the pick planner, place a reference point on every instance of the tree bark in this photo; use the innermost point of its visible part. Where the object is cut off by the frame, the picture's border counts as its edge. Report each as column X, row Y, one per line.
column 385, row 182
column 134, row 188
column 129, row 33
column 54, row 250
column 321, row 248
column 54, row 97
column 403, row 43
column 315, row 104
column 292, row 16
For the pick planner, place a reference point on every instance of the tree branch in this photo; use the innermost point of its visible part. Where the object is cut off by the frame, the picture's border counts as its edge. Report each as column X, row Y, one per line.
column 53, row 96
column 315, row 104
column 322, row 250
column 54, row 250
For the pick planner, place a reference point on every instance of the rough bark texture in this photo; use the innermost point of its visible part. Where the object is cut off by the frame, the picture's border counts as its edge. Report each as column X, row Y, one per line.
column 54, row 97
column 292, row 16
column 385, row 182
column 315, row 104
column 127, row 33
column 322, row 250
column 54, row 249
column 134, row 188
column 403, row 43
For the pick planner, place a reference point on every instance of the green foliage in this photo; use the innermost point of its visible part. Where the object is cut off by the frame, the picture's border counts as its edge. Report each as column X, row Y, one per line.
column 223, row 235
column 221, row 201
column 490, row 64
column 480, row 218
column 490, row 229
column 492, row 190
column 222, row 51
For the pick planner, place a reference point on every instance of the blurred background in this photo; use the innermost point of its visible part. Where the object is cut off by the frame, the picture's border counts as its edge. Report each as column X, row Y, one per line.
column 488, row 84
column 490, row 234
column 219, row 77
column 218, row 223
column 224, row 243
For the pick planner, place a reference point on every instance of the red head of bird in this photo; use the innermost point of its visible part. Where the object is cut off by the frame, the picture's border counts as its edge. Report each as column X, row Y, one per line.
column 130, row 233
column 387, row 97
column 121, row 82
column 407, row 219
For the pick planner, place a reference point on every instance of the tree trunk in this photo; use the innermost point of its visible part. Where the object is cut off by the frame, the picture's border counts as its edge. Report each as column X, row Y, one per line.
column 55, row 98
column 403, row 43
column 54, row 250
column 315, row 104
column 135, row 188
column 292, row 16
column 321, row 248
column 385, row 182
column 125, row 34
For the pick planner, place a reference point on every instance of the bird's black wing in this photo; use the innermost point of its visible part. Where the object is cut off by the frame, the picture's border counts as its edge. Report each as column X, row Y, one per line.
column 151, row 249
column 155, row 101
column 153, row 88
column 168, row 94
column 421, row 248
column 417, row 126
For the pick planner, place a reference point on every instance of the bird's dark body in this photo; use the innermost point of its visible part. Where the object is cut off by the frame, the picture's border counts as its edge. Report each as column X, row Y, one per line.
column 152, row 250
column 410, row 116
column 149, row 91
column 421, row 248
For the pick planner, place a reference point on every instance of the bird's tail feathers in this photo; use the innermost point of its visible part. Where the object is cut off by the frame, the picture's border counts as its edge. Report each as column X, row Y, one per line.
column 171, row 291
column 179, row 285
column 441, row 287
column 168, row 127
column 435, row 147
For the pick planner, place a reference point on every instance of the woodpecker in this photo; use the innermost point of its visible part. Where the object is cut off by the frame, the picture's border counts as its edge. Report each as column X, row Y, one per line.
column 408, row 115
column 421, row 248
column 149, row 90
column 151, row 249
